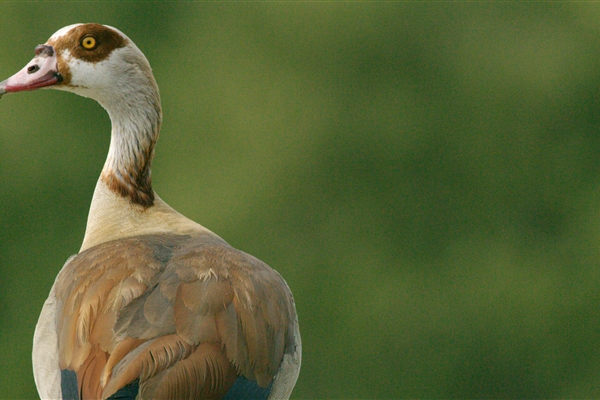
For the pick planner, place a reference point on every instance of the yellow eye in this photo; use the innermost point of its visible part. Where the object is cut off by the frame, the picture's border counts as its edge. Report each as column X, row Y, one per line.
column 88, row 43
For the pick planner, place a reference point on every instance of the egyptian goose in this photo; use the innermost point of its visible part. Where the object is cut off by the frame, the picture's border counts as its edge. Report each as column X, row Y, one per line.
column 154, row 305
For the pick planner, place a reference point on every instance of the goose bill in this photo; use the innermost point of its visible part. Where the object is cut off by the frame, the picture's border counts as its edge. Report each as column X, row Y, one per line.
column 40, row 72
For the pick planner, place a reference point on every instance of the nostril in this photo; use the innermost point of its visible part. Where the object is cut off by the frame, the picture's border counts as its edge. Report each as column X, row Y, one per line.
column 33, row 68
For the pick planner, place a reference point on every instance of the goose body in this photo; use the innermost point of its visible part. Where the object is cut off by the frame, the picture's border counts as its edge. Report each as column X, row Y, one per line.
column 154, row 305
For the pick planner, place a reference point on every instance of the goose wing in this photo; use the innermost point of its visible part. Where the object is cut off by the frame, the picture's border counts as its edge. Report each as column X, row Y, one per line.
column 173, row 316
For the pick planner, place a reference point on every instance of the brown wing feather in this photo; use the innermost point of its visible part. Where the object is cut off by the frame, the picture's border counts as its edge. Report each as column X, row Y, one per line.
column 123, row 348
column 90, row 372
column 205, row 374
column 184, row 315
column 155, row 356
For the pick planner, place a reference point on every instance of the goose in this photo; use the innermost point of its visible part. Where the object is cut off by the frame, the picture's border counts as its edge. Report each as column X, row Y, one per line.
column 154, row 305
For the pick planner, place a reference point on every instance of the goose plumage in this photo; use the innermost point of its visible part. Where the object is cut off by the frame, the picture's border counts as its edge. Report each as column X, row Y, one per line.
column 154, row 305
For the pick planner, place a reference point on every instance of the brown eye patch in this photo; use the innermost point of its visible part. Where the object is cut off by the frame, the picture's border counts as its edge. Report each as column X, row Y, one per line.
column 79, row 42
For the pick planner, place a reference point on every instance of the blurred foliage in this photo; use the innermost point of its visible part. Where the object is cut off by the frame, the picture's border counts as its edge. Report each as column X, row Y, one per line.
column 425, row 176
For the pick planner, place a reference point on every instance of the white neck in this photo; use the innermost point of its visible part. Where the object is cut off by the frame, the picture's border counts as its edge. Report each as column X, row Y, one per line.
column 124, row 203
column 136, row 116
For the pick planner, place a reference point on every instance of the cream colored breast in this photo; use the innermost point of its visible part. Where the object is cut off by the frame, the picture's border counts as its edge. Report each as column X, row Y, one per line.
column 113, row 217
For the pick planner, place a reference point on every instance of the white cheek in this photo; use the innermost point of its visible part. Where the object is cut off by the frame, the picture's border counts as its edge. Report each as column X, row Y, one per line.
column 87, row 79
column 88, row 75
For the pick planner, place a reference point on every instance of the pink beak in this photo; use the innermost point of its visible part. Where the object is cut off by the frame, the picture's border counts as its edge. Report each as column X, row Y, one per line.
column 42, row 71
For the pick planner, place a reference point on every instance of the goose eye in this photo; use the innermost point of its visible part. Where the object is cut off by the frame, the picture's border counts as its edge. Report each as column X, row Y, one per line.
column 88, row 42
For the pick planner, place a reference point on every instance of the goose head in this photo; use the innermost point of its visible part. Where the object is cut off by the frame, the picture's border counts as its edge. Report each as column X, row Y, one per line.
column 91, row 60
column 102, row 63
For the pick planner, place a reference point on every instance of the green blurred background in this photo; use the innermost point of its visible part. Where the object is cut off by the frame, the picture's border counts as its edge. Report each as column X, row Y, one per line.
column 426, row 177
